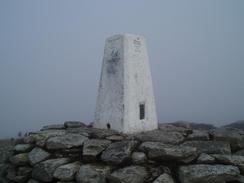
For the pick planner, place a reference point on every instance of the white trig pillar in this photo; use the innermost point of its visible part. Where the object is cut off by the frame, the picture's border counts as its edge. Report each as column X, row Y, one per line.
column 125, row 99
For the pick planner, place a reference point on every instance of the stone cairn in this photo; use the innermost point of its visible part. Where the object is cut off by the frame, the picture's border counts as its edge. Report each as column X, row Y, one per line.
column 74, row 152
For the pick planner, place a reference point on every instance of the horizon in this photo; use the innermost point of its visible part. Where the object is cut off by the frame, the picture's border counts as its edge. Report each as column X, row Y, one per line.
column 51, row 55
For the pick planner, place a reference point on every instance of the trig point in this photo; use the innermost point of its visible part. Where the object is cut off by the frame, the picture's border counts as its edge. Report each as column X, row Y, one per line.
column 125, row 96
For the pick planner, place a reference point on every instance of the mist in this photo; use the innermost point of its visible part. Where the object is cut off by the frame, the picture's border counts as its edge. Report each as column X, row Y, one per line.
column 51, row 54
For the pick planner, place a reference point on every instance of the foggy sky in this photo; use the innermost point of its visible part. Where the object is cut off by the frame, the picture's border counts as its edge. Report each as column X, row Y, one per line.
column 51, row 55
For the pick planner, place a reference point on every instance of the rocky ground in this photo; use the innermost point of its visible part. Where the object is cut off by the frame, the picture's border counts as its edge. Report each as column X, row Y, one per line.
column 175, row 153
column 6, row 147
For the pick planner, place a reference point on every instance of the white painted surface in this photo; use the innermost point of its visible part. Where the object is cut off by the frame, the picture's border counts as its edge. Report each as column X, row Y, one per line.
column 125, row 83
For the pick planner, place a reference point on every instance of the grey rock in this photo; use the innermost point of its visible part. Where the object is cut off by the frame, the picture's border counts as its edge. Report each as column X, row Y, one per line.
column 139, row 157
column 6, row 148
column 198, row 135
column 118, row 152
column 26, row 170
column 74, row 124
column 93, row 147
column 208, row 173
column 210, row 147
column 165, row 152
column 40, row 137
column 101, row 133
column 205, row 159
column 155, row 171
column 164, row 178
column 135, row 174
column 194, row 126
column 53, row 127
column 240, row 152
column 20, row 159
column 115, row 138
column 20, row 148
column 234, row 136
column 13, row 176
column 230, row 160
column 171, row 128
column 67, row 172
column 37, row 155
column 44, row 171
column 160, row 136
column 92, row 173
column 65, row 141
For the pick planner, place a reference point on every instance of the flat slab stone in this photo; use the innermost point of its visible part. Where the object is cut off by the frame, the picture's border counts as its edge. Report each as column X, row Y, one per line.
column 230, row 160
column 20, row 148
column 44, row 171
column 74, row 124
column 65, row 141
column 210, row 147
column 165, row 152
column 53, row 127
column 161, row 136
column 208, row 173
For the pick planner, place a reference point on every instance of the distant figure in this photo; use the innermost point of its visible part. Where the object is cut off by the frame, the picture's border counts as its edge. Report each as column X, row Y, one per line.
column 108, row 126
column 125, row 94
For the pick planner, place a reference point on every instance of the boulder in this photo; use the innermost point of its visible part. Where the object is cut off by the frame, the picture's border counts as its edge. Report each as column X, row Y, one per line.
column 164, row 178
column 67, row 172
column 74, row 124
column 139, row 157
column 65, row 141
column 205, row 159
column 234, row 136
column 198, row 135
column 160, row 136
column 37, row 155
column 208, row 173
column 40, row 137
column 118, row 152
column 166, row 152
column 20, row 159
column 210, row 147
column 53, row 127
column 155, row 171
column 21, row 148
column 93, row 147
column 101, row 133
column 230, row 160
column 135, row 174
column 115, row 138
column 91, row 173
column 44, row 171
column 171, row 128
